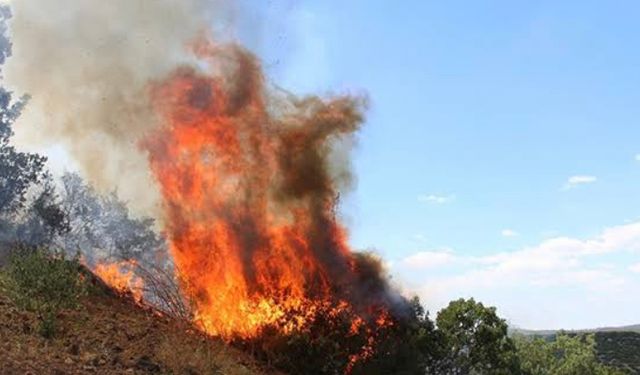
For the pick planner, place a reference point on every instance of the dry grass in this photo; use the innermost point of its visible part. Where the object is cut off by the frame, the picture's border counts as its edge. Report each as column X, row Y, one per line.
column 184, row 354
column 109, row 334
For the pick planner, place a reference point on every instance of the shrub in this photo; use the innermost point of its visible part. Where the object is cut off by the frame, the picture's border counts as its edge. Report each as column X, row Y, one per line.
column 331, row 345
column 44, row 283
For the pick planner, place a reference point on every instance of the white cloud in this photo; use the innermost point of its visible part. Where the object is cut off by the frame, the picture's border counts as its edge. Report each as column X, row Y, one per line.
column 428, row 259
column 635, row 268
column 579, row 268
column 436, row 199
column 574, row 181
column 637, row 157
column 509, row 233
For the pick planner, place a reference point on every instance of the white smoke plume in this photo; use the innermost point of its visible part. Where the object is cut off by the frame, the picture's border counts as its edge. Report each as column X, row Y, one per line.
column 87, row 65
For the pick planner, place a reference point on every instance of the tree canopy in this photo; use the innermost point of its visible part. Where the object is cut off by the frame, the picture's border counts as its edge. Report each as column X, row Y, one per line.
column 475, row 339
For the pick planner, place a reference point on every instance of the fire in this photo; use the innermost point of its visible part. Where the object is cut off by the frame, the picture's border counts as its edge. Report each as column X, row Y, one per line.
column 121, row 276
column 249, row 177
column 250, row 199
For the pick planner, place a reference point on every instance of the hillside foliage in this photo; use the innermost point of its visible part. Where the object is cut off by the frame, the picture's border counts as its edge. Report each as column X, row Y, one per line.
column 44, row 283
column 563, row 355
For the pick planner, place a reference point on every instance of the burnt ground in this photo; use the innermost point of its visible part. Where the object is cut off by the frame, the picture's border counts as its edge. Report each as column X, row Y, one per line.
column 111, row 334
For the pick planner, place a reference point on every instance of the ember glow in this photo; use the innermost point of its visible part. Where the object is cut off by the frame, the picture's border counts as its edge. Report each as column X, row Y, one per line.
column 249, row 197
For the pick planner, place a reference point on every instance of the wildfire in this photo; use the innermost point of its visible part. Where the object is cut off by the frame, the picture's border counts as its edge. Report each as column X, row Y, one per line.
column 121, row 276
column 249, row 177
column 249, row 197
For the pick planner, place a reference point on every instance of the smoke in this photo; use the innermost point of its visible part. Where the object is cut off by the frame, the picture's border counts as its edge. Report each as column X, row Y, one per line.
column 87, row 65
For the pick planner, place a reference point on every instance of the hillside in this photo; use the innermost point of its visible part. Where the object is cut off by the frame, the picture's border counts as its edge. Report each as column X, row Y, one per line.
column 551, row 332
column 616, row 346
column 109, row 334
column 620, row 349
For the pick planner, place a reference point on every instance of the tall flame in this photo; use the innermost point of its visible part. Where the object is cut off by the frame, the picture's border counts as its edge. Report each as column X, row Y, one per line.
column 249, row 197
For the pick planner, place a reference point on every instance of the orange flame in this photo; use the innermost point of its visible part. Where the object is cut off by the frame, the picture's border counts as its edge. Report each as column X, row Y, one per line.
column 121, row 276
column 249, row 197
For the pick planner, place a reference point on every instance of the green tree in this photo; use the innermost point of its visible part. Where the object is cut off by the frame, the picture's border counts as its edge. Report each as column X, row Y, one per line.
column 18, row 170
column 566, row 355
column 475, row 340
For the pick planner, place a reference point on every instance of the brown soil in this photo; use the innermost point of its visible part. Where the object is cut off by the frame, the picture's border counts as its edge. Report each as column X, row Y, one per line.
column 111, row 334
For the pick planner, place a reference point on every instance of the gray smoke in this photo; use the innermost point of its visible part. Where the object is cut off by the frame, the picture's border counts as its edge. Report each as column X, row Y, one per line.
column 87, row 65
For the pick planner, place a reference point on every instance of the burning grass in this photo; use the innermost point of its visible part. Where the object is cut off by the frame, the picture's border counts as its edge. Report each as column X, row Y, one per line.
column 121, row 276
column 324, row 338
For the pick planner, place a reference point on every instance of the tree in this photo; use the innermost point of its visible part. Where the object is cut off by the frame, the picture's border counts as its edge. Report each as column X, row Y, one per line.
column 101, row 227
column 411, row 347
column 566, row 355
column 475, row 340
column 331, row 344
column 19, row 171
column 44, row 220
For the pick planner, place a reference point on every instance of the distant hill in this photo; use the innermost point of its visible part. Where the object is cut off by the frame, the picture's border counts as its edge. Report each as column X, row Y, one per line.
column 620, row 349
column 616, row 346
column 549, row 332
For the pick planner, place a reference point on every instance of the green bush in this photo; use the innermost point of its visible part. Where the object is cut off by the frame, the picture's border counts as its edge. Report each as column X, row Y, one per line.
column 45, row 283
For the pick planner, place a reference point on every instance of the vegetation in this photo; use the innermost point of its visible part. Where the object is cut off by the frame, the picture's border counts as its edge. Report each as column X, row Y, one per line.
column 565, row 355
column 44, row 283
column 330, row 346
column 111, row 335
column 469, row 338
column 476, row 340
column 18, row 170
column 619, row 349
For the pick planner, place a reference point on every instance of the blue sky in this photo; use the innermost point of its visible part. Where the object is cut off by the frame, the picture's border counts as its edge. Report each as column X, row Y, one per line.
column 498, row 159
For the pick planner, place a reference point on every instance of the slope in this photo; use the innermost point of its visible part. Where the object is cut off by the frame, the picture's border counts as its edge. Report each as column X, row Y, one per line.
column 111, row 334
